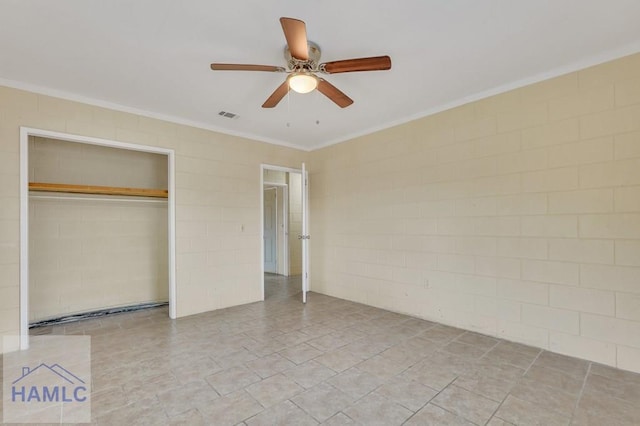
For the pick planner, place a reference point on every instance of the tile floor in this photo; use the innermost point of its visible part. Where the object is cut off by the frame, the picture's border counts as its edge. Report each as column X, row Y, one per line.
column 335, row 362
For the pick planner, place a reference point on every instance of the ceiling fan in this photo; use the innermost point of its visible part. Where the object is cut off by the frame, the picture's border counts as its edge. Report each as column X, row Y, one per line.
column 303, row 65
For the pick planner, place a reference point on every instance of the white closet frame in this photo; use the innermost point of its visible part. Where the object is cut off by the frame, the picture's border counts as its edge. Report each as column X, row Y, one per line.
column 25, row 132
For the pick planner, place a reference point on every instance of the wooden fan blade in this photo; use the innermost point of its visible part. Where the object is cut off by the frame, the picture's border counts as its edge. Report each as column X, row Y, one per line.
column 333, row 93
column 295, row 31
column 277, row 95
column 246, row 67
column 376, row 63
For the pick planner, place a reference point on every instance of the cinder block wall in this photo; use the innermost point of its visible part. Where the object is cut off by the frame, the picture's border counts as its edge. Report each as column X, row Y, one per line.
column 516, row 216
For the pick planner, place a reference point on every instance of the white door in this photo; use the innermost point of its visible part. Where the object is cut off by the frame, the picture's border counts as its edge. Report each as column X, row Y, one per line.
column 270, row 230
column 305, row 233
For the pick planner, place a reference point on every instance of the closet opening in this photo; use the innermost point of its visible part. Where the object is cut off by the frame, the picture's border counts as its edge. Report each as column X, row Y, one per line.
column 97, row 227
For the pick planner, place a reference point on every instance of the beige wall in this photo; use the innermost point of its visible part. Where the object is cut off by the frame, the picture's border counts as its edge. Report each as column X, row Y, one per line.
column 56, row 161
column 517, row 216
column 217, row 197
column 87, row 254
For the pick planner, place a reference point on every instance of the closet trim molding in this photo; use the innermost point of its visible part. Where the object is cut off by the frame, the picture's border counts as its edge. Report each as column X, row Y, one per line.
column 25, row 132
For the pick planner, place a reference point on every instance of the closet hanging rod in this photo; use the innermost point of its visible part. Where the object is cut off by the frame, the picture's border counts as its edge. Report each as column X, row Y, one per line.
column 97, row 190
column 113, row 199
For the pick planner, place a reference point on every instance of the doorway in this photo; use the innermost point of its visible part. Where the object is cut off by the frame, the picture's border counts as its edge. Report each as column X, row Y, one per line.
column 271, row 228
column 284, row 222
column 276, row 228
column 25, row 134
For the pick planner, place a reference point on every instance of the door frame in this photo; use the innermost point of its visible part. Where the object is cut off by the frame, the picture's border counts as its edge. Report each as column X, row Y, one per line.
column 285, row 222
column 264, row 167
column 25, row 132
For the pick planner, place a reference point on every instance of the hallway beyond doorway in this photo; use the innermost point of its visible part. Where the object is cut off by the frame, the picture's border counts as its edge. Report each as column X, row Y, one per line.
column 281, row 287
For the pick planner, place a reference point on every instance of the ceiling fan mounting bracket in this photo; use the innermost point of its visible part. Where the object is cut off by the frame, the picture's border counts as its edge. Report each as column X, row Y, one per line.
column 311, row 64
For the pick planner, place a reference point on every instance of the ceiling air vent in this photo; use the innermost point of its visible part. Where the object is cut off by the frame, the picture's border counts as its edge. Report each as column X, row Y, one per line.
column 227, row 114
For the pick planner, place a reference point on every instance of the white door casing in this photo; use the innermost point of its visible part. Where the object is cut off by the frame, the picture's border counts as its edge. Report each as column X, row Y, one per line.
column 305, row 233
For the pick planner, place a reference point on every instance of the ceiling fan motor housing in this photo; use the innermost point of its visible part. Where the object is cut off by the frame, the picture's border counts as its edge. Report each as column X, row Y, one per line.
column 311, row 64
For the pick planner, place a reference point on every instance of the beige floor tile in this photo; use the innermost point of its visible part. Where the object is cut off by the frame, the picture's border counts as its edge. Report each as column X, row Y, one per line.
column 434, row 376
column 292, row 338
column 273, row 390
column 554, row 378
column 596, row 406
column 571, row 366
column 196, row 370
column 142, row 412
column 615, row 374
column 471, row 406
column 339, row 419
column 230, row 409
column 376, row 410
column 410, row 351
column 186, row 397
column 491, row 387
column 355, row 383
column 381, row 367
column 107, row 400
column 192, row 417
column 496, row 421
column 235, row 358
column 479, row 340
column 520, row 412
column 463, row 350
column 316, row 330
column 269, row 365
column 329, row 342
column 322, row 401
column 285, row 413
column 442, row 333
column 232, row 379
column 145, row 387
column 309, row 374
column 366, row 347
column 623, row 389
column 339, row 360
column 408, row 393
column 553, row 399
column 262, row 349
column 432, row 415
column 300, row 353
column 499, row 371
column 438, row 370
column 502, row 354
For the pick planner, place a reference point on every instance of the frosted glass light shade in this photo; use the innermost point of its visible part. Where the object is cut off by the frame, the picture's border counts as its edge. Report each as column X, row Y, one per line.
column 303, row 82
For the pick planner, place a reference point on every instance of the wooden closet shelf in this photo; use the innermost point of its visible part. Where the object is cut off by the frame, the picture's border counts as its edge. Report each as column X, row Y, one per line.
column 101, row 190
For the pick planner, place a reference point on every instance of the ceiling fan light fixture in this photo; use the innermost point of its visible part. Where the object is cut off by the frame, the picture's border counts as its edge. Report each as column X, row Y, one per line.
column 303, row 82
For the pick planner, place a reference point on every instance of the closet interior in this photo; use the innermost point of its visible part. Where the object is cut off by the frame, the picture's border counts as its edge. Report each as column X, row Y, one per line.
column 98, row 229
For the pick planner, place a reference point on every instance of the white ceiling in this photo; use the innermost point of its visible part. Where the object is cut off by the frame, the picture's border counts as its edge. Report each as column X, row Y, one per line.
column 153, row 56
